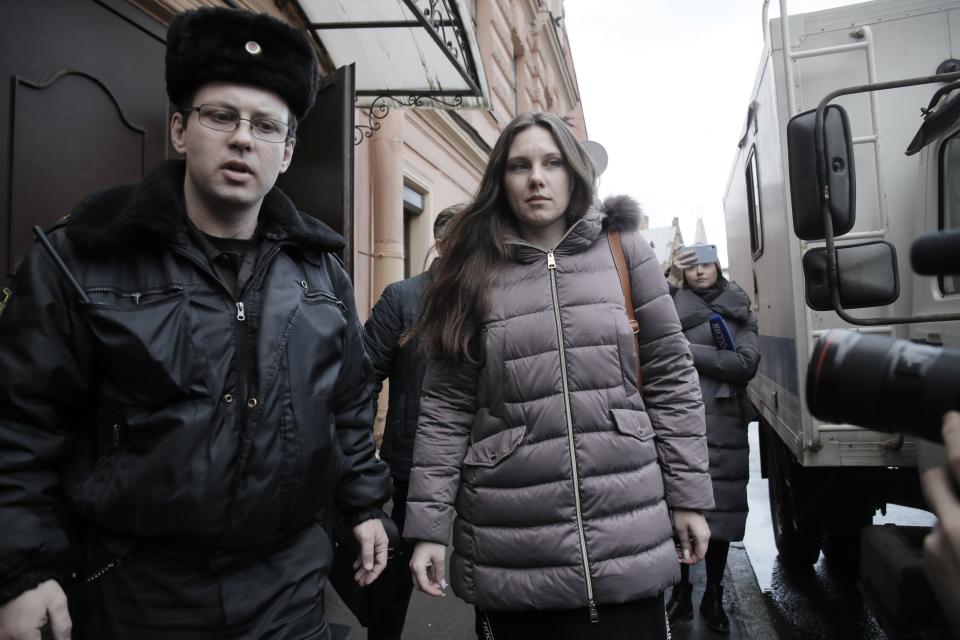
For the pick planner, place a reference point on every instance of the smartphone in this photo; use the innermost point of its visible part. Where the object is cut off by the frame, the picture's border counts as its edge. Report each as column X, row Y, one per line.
column 706, row 253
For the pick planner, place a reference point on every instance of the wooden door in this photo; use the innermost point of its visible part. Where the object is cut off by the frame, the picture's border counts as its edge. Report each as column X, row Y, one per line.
column 320, row 178
column 83, row 106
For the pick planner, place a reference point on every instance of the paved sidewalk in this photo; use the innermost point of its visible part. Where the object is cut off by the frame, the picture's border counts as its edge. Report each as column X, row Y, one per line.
column 449, row 618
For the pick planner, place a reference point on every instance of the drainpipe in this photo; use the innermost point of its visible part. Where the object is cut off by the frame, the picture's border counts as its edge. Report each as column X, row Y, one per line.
column 387, row 150
column 387, row 201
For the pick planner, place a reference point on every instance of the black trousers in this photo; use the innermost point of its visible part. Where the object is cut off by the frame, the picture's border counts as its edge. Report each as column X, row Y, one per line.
column 638, row 620
column 392, row 590
column 154, row 593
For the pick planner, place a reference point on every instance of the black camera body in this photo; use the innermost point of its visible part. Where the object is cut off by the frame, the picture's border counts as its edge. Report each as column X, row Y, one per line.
column 883, row 383
column 887, row 384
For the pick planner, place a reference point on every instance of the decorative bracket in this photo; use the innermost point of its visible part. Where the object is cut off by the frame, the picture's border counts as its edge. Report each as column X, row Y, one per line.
column 380, row 108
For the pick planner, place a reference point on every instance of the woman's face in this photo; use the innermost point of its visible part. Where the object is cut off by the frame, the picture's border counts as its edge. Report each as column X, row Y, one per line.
column 538, row 183
column 701, row 276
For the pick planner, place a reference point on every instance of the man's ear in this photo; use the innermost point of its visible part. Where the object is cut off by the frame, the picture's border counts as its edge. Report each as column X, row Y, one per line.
column 177, row 128
column 287, row 154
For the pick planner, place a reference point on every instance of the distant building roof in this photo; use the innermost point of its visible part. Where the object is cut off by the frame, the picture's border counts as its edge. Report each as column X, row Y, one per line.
column 663, row 239
column 700, row 236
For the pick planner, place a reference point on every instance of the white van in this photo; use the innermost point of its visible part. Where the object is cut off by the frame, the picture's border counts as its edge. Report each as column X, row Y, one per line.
column 827, row 480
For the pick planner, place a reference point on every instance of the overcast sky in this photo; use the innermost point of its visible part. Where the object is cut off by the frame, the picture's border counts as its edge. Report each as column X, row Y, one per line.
column 665, row 86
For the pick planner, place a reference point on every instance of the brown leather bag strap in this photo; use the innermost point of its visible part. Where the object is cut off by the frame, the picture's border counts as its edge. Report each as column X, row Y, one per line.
column 620, row 260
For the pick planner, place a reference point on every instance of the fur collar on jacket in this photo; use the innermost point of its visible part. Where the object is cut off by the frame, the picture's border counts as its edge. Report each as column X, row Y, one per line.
column 152, row 212
column 622, row 213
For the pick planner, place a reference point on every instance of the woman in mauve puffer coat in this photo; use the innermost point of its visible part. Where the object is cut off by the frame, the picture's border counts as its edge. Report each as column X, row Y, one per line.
column 725, row 363
column 563, row 488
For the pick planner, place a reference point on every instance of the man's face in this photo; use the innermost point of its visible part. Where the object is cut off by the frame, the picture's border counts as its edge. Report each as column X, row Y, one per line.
column 230, row 172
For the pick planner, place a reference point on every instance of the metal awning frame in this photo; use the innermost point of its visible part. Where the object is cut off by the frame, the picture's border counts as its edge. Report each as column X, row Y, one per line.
column 443, row 21
column 452, row 53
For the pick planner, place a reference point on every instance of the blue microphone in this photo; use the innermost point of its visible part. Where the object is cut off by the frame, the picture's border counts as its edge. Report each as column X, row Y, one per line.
column 721, row 333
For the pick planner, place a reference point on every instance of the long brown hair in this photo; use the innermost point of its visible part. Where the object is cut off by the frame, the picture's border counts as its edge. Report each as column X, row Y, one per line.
column 474, row 246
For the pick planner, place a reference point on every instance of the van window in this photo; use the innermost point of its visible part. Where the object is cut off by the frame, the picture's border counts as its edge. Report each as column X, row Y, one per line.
column 753, row 204
column 950, row 200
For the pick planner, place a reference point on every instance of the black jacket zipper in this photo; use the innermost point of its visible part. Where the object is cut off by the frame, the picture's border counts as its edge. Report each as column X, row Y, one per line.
column 243, row 361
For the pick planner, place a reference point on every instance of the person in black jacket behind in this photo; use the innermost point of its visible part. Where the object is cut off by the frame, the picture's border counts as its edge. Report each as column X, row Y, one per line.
column 183, row 396
column 716, row 319
column 392, row 317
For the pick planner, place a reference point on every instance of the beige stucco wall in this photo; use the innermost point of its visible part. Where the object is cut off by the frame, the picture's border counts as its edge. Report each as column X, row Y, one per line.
column 436, row 159
column 529, row 67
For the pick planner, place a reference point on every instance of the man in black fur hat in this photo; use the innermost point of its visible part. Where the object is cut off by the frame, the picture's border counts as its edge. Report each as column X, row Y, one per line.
column 182, row 378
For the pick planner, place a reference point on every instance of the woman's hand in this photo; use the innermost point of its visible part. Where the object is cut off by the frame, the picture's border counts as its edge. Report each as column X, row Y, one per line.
column 427, row 564
column 692, row 533
column 680, row 262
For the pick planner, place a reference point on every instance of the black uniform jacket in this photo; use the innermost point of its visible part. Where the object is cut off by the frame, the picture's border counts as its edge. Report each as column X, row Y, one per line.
column 163, row 409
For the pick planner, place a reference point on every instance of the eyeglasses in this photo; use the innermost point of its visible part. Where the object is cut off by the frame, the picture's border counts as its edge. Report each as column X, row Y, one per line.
column 227, row 120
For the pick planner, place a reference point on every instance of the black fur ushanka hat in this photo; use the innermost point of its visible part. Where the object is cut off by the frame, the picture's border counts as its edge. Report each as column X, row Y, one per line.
column 216, row 44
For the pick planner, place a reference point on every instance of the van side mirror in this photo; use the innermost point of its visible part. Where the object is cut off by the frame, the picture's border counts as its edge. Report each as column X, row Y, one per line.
column 806, row 188
column 868, row 276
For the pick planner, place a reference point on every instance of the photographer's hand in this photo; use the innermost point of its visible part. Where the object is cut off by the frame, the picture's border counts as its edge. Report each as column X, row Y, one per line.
column 941, row 548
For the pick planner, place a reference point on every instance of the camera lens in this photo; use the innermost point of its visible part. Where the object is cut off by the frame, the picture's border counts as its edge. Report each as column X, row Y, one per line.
column 882, row 383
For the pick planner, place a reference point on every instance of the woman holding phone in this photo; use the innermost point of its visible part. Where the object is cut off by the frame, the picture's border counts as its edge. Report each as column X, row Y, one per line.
column 571, row 496
column 716, row 318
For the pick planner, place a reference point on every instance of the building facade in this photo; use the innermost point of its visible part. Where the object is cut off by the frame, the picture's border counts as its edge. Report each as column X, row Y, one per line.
column 423, row 160
column 84, row 92
column 663, row 240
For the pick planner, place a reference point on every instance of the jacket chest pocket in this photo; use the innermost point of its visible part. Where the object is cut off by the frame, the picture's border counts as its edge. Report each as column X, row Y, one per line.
column 640, row 444
column 313, row 344
column 494, row 449
column 149, row 347
column 490, row 442
column 321, row 321
column 320, row 296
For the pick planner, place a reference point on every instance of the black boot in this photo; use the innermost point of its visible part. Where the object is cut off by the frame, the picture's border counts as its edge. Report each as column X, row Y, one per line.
column 711, row 607
column 680, row 604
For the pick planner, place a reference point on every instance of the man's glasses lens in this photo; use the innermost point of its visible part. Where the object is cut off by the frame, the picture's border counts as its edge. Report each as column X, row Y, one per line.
column 227, row 120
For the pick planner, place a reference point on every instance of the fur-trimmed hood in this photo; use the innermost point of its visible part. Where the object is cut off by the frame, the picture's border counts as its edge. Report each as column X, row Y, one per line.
column 616, row 213
column 152, row 212
column 622, row 214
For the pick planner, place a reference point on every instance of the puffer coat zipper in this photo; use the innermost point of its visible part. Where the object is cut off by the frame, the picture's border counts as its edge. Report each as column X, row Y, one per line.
column 552, row 270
